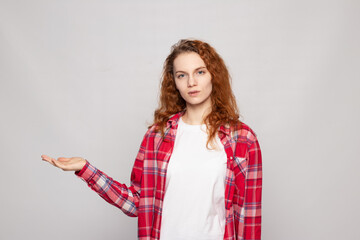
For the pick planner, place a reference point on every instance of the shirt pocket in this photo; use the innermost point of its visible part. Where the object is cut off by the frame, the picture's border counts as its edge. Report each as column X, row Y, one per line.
column 241, row 164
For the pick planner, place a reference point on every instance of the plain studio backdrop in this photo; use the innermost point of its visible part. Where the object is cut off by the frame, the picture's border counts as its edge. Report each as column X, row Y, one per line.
column 81, row 78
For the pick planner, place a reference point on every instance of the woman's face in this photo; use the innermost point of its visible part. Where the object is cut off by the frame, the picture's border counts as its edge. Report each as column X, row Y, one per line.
column 192, row 79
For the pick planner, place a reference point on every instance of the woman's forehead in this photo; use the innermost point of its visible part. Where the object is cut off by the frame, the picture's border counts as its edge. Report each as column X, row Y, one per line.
column 188, row 61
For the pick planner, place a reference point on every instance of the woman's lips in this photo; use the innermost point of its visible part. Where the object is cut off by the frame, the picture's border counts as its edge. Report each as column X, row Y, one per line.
column 194, row 93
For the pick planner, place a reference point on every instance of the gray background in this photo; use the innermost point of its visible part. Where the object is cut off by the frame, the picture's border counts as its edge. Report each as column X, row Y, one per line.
column 81, row 78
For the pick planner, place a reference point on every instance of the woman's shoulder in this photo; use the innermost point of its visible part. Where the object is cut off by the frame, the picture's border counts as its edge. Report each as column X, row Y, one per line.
column 154, row 133
column 243, row 132
column 159, row 127
column 152, row 130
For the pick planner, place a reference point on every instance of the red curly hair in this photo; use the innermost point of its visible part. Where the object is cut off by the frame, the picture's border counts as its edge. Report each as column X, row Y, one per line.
column 224, row 108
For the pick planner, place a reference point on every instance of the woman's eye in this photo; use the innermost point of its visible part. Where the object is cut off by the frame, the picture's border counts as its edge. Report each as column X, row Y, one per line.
column 201, row 72
column 180, row 76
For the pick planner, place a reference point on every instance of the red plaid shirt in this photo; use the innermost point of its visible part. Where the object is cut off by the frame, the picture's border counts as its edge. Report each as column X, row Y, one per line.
column 144, row 197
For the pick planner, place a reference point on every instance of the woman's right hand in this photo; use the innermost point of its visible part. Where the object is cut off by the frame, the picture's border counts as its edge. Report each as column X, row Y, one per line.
column 66, row 164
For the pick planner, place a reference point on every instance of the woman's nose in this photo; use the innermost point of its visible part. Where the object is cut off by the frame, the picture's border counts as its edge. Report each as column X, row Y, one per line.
column 191, row 81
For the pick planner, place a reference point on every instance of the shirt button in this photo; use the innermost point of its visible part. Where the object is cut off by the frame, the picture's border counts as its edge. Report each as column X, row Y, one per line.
column 230, row 157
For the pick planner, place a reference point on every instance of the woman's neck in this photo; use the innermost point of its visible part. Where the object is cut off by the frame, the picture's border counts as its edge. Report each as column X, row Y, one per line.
column 195, row 115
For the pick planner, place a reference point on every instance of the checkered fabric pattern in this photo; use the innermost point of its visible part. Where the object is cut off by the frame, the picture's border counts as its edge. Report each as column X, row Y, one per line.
column 144, row 197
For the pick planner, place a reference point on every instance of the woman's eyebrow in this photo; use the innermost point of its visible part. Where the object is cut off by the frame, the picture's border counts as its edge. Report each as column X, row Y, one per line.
column 194, row 70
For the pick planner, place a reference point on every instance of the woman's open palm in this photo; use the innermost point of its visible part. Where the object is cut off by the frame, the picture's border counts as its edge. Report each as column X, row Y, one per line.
column 66, row 164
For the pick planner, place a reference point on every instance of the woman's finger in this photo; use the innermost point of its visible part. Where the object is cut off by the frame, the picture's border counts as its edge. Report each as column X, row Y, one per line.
column 47, row 159
column 58, row 164
column 62, row 159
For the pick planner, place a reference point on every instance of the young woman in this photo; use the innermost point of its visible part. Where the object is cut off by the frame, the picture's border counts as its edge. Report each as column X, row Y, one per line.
column 198, row 173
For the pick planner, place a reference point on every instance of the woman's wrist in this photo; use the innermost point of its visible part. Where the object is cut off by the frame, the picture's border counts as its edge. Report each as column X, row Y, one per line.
column 81, row 166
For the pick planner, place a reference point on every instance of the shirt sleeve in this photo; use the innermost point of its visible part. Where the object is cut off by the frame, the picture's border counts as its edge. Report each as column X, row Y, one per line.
column 253, row 189
column 118, row 194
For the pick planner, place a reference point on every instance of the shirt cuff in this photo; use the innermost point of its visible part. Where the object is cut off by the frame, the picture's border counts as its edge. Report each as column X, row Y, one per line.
column 87, row 172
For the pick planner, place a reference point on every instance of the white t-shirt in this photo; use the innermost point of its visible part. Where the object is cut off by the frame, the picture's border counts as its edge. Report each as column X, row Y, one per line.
column 194, row 202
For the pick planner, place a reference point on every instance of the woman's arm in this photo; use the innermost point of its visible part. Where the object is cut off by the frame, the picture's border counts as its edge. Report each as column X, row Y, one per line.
column 253, row 189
